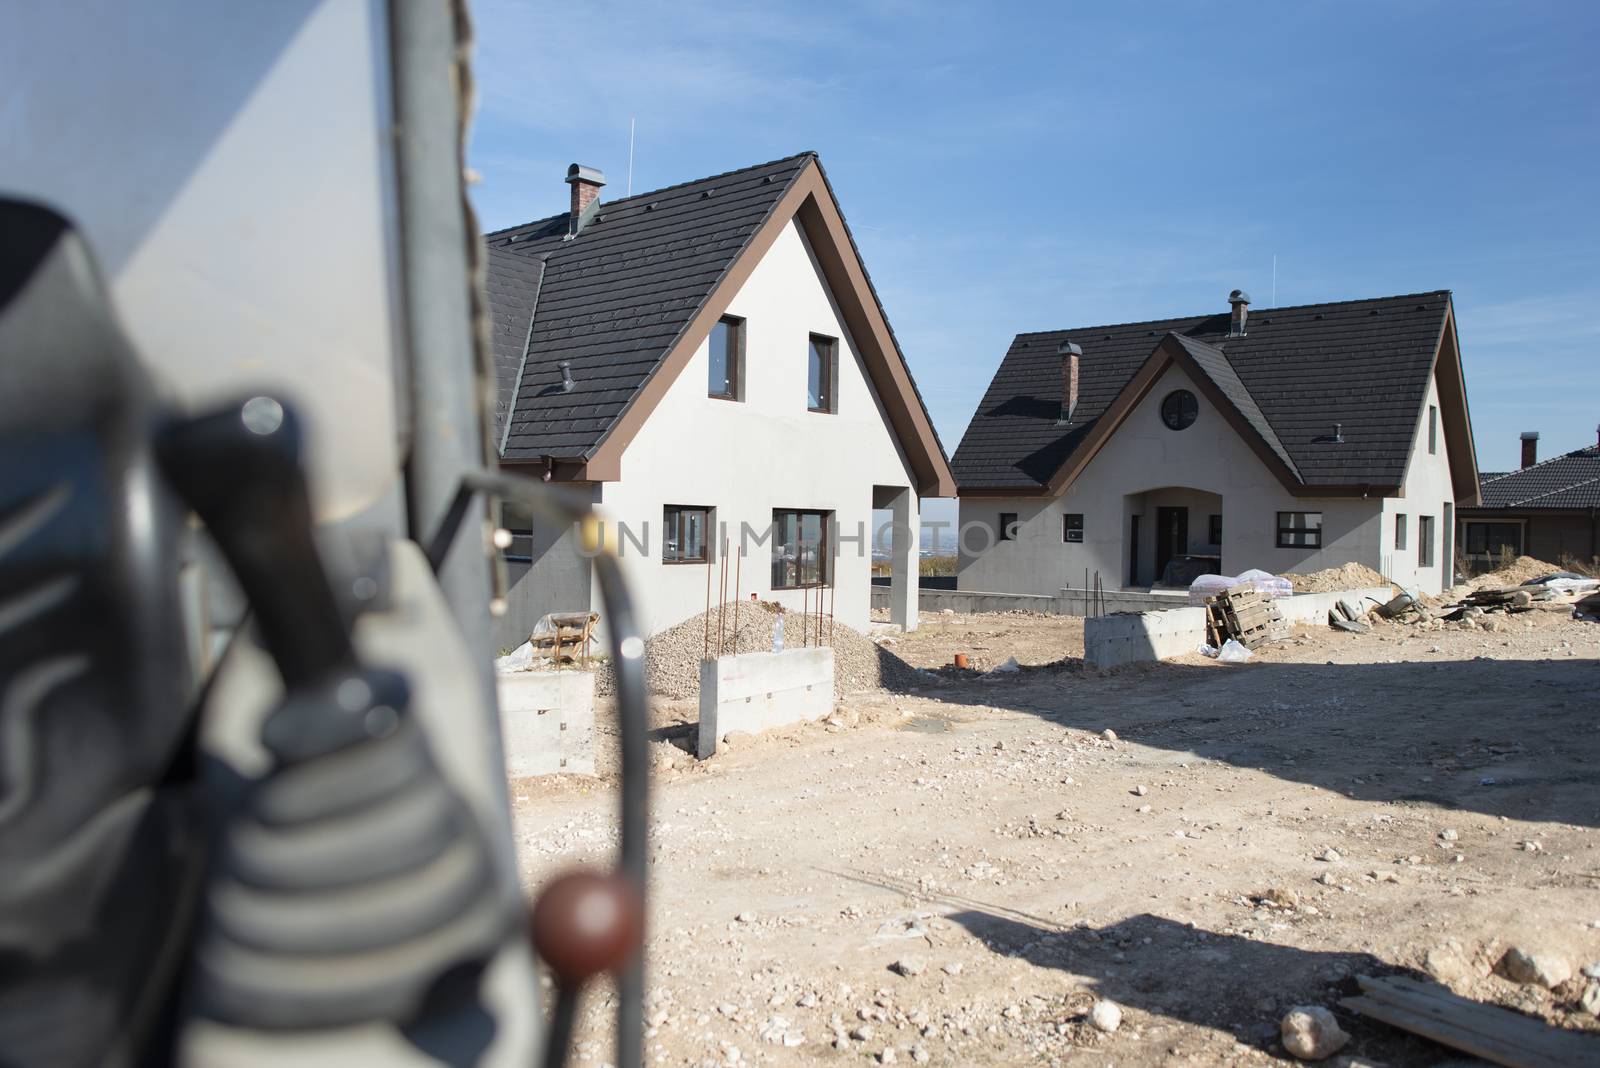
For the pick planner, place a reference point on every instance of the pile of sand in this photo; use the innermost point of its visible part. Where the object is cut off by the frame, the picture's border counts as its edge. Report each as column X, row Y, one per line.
column 1515, row 573
column 672, row 657
column 1348, row 577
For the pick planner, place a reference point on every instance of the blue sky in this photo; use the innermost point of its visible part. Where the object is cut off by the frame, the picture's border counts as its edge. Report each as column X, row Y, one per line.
column 1010, row 167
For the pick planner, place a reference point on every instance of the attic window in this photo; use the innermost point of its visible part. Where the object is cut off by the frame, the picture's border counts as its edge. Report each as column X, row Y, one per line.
column 1179, row 410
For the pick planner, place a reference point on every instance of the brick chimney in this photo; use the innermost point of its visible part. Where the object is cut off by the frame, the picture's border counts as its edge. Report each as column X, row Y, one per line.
column 1070, row 355
column 585, row 183
column 1239, row 301
column 1530, row 448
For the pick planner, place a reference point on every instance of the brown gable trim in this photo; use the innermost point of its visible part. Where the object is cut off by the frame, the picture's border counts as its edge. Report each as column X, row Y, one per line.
column 808, row 200
column 1451, row 379
column 1168, row 353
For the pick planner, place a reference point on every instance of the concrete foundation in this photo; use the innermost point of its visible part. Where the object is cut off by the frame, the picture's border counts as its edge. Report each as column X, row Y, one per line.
column 547, row 722
column 1067, row 602
column 755, row 691
column 1110, row 641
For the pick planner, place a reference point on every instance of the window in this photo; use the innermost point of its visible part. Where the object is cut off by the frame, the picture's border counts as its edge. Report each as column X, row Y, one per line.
column 1072, row 527
column 1494, row 539
column 1179, row 409
column 683, row 534
column 799, row 549
column 820, row 373
column 1425, row 541
column 1008, row 526
column 727, row 359
column 1299, row 530
column 517, row 522
column 1399, row 532
column 1216, row 530
column 1433, row 429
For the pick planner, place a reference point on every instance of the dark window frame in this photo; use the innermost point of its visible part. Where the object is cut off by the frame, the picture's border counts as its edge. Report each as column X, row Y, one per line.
column 1425, row 554
column 1476, row 535
column 1214, row 529
column 1008, row 531
column 1072, row 523
column 1301, row 531
column 520, row 526
column 735, row 360
column 1399, row 532
column 672, row 530
column 824, row 553
column 1186, row 412
column 829, row 389
column 1433, row 430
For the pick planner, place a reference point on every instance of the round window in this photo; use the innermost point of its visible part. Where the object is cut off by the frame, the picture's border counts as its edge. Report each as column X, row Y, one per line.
column 1179, row 409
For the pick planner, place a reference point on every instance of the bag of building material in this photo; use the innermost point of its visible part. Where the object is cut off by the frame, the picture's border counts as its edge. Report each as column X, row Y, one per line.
column 1233, row 653
column 1267, row 585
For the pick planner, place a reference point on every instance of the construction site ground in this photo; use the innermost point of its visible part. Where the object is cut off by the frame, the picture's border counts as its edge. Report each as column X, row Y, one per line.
column 954, row 875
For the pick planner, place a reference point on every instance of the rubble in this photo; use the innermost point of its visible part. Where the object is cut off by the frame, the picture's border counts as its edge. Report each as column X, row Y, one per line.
column 1311, row 1033
column 1523, row 965
column 1106, row 1016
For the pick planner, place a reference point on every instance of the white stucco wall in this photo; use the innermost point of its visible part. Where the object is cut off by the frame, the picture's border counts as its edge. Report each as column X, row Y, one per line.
column 746, row 458
column 1145, row 458
column 1426, row 491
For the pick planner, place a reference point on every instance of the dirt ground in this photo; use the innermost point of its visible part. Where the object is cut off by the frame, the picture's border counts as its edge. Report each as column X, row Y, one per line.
column 1253, row 838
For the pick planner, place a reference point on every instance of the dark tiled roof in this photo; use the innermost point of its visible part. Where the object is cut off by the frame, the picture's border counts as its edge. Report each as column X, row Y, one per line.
column 512, row 286
column 1568, row 481
column 613, row 301
column 1363, row 364
column 1214, row 362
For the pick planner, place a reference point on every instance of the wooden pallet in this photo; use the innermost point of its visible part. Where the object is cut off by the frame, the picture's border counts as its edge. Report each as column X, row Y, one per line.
column 1247, row 616
column 569, row 640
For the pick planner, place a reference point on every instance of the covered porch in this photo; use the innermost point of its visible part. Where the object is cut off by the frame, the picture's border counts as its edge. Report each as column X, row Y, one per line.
column 1171, row 533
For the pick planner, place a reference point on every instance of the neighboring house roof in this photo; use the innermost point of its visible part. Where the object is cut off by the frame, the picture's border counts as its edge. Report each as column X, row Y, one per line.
column 1362, row 364
column 628, row 301
column 1562, row 482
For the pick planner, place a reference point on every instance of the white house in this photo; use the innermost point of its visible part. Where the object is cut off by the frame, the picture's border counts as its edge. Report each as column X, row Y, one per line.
column 706, row 361
column 1293, row 439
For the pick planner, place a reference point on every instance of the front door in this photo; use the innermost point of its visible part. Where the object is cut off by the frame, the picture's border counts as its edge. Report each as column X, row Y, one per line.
column 1172, row 536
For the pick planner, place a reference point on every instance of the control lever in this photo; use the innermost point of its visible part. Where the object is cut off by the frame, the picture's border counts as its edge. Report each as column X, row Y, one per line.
column 353, row 876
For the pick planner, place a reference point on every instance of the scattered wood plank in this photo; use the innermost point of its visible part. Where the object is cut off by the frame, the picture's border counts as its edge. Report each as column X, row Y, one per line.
column 1488, row 1031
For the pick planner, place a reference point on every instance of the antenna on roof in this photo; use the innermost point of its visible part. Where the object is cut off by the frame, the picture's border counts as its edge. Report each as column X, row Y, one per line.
column 630, row 157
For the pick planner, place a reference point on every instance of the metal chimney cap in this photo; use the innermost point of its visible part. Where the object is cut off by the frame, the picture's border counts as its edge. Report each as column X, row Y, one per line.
column 579, row 173
column 1530, row 435
column 1238, row 296
column 1068, row 348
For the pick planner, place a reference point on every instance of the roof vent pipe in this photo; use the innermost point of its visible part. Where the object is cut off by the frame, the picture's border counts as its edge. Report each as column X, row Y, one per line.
column 1239, row 301
column 1530, row 448
column 566, row 376
column 1070, row 355
column 1338, row 433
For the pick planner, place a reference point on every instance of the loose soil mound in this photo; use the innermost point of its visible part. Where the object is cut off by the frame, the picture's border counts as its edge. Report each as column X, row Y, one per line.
column 1515, row 573
column 672, row 657
column 1348, row 577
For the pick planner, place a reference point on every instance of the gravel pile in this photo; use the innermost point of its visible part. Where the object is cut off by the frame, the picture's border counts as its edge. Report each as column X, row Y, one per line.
column 1348, row 577
column 672, row 657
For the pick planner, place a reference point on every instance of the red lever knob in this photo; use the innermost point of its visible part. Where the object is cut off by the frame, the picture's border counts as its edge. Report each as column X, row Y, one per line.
column 585, row 923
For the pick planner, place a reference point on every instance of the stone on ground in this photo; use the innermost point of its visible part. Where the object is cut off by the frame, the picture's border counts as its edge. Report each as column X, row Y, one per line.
column 1311, row 1033
column 1523, row 965
column 1106, row 1016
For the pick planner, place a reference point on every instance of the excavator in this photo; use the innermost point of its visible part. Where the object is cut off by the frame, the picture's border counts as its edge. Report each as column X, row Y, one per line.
column 253, row 804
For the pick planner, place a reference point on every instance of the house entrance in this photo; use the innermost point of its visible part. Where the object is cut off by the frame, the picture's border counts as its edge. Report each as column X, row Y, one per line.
column 1172, row 536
